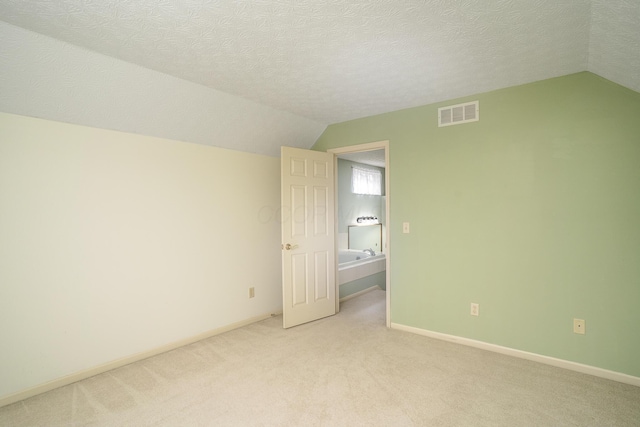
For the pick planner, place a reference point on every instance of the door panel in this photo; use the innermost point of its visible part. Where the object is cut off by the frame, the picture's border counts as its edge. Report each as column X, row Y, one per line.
column 308, row 252
column 321, row 217
column 299, row 209
column 299, row 278
column 322, row 275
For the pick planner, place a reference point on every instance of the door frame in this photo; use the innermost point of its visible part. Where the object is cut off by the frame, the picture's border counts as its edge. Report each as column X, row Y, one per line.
column 359, row 148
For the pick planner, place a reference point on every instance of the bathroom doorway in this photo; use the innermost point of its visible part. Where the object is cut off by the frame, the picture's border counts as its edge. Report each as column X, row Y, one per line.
column 362, row 220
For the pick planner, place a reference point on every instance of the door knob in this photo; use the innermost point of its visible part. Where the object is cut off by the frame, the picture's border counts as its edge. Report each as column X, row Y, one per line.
column 289, row 246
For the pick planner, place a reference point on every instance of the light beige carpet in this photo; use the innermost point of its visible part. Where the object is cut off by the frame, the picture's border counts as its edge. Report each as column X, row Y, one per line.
column 346, row 370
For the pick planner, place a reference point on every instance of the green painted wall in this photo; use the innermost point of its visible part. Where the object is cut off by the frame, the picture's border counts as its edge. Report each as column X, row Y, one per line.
column 533, row 212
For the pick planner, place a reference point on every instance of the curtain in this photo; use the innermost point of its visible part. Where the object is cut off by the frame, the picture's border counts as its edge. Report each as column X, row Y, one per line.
column 366, row 181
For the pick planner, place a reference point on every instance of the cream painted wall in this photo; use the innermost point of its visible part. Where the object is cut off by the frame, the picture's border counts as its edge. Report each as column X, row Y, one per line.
column 112, row 244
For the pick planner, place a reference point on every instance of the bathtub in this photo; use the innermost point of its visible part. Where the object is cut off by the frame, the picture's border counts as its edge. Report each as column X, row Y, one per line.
column 359, row 270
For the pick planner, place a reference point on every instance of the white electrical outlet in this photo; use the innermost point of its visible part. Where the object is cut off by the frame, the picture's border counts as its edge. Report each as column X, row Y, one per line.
column 579, row 326
column 475, row 309
column 252, row 292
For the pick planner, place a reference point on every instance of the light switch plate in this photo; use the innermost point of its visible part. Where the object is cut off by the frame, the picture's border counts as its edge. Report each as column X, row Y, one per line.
column 405, row 227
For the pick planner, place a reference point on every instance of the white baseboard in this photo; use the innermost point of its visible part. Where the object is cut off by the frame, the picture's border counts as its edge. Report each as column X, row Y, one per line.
column 86, row 373
column 559, row 363
column 357, row 294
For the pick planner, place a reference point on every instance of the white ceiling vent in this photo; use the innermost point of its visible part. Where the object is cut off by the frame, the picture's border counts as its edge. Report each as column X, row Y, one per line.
column 460, row 113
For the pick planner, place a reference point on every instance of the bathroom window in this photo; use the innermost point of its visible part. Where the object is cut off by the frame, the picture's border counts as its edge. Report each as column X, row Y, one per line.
column 366, row 181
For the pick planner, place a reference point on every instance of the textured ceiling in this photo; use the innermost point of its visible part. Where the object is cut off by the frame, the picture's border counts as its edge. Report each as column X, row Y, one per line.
column 336, row 60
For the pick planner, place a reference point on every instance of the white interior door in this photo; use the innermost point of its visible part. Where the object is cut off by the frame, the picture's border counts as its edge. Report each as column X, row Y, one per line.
column 308, row 250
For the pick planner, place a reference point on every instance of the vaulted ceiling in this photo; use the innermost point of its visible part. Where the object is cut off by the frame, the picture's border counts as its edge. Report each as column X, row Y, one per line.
column 336, row 60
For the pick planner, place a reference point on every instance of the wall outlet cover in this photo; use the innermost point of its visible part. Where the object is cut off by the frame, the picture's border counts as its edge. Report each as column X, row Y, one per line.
column 475, row 309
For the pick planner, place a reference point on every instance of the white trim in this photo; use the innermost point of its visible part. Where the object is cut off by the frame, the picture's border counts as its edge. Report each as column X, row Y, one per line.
column 559, row 363
column 90, row 372
column 335, row 227
column 357, row 294
column 370, row 146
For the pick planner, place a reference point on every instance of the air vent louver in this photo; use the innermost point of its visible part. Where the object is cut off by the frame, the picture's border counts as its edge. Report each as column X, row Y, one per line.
column 458, row 114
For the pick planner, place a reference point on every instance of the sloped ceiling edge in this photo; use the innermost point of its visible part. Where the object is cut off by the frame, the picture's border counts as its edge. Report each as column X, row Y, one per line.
column 47, row 78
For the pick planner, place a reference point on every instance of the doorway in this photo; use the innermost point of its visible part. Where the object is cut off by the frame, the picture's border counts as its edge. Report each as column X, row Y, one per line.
column 375, row 154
